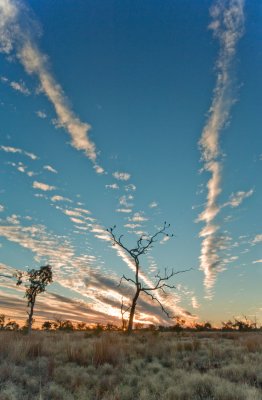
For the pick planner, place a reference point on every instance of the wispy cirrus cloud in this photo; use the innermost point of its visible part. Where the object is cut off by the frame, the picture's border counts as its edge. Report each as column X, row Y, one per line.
column 17, row 37
column 227, row 26
column 237, row 198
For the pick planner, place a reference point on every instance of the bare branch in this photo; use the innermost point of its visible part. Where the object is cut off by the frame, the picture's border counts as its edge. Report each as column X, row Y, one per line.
column 154, row 298
column 127, row 279
column 160, row 285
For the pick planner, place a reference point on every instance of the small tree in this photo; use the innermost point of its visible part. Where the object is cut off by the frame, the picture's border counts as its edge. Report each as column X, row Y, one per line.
column 143, row 245
column 2, row 321
column 47, row 326
column 37, row 280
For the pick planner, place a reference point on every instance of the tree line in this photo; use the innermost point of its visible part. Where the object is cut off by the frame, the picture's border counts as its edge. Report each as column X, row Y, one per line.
column 60, row 325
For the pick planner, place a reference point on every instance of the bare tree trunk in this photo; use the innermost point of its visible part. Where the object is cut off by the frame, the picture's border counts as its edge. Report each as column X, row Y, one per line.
column 132, row 312
column 30, row 318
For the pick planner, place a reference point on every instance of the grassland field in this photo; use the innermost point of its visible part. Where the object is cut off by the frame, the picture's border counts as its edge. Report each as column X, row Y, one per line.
column 142, row 366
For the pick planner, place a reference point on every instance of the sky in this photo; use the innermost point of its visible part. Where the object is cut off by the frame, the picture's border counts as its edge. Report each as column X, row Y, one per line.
column 132, row 113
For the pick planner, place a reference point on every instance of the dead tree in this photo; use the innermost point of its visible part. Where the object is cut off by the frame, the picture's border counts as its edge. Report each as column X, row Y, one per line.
column 143, row 245
column 123, row 311
column 37, row 280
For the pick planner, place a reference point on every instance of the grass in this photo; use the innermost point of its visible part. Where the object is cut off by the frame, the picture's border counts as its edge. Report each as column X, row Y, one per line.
column 145, row 366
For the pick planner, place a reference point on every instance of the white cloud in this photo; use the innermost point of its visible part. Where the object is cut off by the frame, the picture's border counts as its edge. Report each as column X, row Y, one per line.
column 113, row 186
column 237, row 198
column 257, row 261
column 132, row 226
column 227, row 26
column 43, row 186
column 138, row 217
column 13, row 219
column 99, row 169
column 77, row 220
column 41, row 114
column 130, row 188
column 1, row 208
column 50, row 169
column 10, row 149
column 124, row 210
column 124, row 201
column 60, row 198
column 121, row 176
column 257, row 239
column 16, row 37
column 195, row 303
column 153, row 204
column 20, row 87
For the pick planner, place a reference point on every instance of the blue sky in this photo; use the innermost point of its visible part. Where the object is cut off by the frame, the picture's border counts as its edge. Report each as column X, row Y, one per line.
column 131, row 114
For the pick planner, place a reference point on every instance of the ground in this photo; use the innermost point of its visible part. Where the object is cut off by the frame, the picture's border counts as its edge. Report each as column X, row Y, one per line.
column 144, row 366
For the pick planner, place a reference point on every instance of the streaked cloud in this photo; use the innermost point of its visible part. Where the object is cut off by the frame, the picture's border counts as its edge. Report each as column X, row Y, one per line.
column 227, row 26
column 17, row 38
column 138, row 217
column 121, row 176
column 10, row 149
column 50, row 169
column 237, row 198
column 132, row 226
column 124, row 210
column 60, row 198
column 43, row 186
column 195, row 303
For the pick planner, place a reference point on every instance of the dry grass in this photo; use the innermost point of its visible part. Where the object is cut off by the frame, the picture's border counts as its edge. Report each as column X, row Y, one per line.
column 146, row 366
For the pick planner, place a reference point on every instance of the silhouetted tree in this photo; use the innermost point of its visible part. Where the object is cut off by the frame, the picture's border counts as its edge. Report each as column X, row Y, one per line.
column 245, row 324
column 67, row 326
column 81, row 326
column 143, row 245
column 2, row 321
column 47, row 325
column 227, row 326
column 37, row 280
column 11, row 326
column 123, row 311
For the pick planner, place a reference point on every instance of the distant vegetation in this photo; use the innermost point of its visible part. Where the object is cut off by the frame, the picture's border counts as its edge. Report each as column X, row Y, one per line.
column 236, row 325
